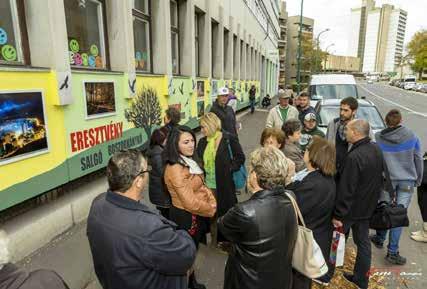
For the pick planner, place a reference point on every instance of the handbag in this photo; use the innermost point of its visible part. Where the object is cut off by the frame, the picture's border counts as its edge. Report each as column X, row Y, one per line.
column 307, row 257
column 389, row 215
column 240, row 176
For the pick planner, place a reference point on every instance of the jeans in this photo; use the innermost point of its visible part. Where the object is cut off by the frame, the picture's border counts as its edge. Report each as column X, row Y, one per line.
column 252, row 103
column 404, row 191
column 360, row 229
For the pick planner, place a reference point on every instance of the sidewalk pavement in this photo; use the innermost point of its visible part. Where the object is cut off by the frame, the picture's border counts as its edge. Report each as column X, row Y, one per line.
column 70, row 256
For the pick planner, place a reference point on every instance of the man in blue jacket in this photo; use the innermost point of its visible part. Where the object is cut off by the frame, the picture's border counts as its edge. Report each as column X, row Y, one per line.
column 402, row 153
column 133, row 246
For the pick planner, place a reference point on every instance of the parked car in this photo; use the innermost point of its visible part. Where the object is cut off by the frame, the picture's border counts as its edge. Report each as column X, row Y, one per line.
column 409, row 82
column 394, row 82
column 423, row 88
column 330, row 108
column 331, row 86
column 417, row 87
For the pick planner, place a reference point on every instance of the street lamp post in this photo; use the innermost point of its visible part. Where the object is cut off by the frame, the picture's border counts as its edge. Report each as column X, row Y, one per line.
column 318, row 47
column 299, row 50
column 327, row 53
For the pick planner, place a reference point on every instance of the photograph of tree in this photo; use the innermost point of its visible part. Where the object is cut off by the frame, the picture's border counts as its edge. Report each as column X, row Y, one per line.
column 145, row 110
column 23, row 131
column 100, row 99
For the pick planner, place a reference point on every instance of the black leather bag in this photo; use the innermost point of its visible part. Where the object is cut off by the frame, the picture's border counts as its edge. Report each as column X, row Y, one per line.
column 389, row 215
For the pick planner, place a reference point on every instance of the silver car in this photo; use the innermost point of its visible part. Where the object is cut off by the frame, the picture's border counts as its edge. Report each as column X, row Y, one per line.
column 330, row 109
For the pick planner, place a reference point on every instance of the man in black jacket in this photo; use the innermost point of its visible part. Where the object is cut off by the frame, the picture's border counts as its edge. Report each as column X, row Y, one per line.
column 224, row 112
column 262, row 229
column 359, row 189
column 132, row 246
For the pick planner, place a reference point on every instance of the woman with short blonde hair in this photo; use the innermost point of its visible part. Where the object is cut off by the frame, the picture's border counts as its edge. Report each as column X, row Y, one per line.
column 263, row 229
column 222, row 155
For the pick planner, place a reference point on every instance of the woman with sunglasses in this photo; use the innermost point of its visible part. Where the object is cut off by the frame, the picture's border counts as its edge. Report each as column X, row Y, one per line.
column 184, row 179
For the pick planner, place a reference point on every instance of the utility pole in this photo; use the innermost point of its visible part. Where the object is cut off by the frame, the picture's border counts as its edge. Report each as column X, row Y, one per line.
column 299, row 51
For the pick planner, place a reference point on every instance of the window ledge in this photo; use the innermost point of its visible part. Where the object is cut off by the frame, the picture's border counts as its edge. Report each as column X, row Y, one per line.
column 96, row 71
column 22, row 68
column 149, row 74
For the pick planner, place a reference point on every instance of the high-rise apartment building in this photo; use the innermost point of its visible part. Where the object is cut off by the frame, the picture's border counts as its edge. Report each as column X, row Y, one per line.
column 376, row 36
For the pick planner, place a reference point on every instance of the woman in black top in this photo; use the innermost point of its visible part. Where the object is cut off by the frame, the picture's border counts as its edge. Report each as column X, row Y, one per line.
column 314, row 189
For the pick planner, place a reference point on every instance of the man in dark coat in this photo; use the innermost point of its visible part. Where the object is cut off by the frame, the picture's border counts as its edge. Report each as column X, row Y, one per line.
column 358, row 192
column 224, row 112
column 263, row 229
column 133, row 246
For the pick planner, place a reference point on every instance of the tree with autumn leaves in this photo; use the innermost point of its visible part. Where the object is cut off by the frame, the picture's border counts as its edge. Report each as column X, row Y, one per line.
column 417, row 51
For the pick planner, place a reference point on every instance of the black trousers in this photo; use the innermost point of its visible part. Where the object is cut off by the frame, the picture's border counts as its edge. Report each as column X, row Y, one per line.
column 164, row 212
column 422, row 201
column 360, row 229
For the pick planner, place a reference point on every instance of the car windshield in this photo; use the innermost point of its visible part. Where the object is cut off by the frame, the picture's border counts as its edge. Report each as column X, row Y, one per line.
column 369, row 113
column 410, row 80
column 332, row 91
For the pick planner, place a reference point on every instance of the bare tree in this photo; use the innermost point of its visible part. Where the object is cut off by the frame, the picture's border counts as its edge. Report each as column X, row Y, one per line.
column 145, row 111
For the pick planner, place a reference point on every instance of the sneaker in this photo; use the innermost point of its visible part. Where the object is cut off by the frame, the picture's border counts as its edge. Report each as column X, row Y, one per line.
column 395, row 258
column 376, row 241
column 420, row 237
column 349, row 277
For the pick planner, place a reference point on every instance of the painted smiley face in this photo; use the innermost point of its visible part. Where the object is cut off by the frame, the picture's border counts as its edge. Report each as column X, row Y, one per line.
column 78, row 59
column 98, row 62
column 3, row 36
column 74, row 46
column 8, row 52
column 85, row 59
column 71, row 57
column 92, row 61
column 94, row 50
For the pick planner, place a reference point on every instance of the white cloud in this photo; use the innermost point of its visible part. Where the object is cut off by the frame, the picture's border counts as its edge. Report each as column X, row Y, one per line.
column 335, row 15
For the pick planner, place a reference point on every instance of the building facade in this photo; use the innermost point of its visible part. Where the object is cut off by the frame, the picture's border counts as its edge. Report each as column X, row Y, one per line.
column 376, row 36
column 283, row 22
column 82, row 79
column 337, row 63
column 292, row 47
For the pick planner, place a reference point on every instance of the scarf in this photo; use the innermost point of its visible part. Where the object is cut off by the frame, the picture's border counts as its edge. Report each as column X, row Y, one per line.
column 194, row 167
column 209, row 159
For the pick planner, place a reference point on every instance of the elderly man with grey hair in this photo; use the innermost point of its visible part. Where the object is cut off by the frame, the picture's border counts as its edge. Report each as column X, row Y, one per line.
column 262, row 229
column 358, row 192
column 13, row 277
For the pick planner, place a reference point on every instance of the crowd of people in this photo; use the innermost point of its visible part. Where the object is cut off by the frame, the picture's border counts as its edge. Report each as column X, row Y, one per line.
column 336, row 179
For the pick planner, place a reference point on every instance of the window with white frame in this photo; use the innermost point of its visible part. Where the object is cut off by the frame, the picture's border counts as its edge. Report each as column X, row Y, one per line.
column 10, row 40
column 85, row 31
column 142, row 36
column 174, row 19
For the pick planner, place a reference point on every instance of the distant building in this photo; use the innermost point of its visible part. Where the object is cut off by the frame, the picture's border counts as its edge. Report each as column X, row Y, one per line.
column 292, row 47
column 376, row 36
column 283, row 24
column 337, row 63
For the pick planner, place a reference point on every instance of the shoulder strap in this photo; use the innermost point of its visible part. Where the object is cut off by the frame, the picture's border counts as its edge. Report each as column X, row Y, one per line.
column 296, row 208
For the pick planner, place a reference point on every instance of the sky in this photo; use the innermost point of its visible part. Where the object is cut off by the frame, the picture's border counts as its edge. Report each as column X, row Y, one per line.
column 335, row 15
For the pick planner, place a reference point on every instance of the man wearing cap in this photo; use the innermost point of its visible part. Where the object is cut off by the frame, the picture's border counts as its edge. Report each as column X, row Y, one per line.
column 224, row 112
column 309, row 130
column 281, row 112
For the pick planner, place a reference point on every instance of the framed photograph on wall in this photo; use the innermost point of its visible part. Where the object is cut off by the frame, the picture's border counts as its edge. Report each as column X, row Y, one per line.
column 23, row 125
column 100, row 98
column 200, row 89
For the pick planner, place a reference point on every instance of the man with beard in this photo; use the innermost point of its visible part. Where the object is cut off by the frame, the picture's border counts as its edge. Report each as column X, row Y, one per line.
column 335, row 132
column 304, row 106
column 309, row 130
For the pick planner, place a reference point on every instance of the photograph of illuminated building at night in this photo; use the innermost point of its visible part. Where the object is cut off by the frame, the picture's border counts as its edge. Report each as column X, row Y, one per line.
column 23, row 131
